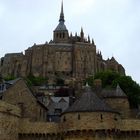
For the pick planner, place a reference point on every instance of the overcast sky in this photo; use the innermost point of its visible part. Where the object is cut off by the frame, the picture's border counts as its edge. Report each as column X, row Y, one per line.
column 114, row 25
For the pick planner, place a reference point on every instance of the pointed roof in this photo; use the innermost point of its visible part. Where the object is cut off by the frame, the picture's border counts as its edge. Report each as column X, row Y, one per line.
column 89, row 102
column 117, row 93
column 61, row 26
column 62, row 14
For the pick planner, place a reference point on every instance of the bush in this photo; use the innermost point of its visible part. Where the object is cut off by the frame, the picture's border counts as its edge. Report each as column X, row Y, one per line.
column 36, row 81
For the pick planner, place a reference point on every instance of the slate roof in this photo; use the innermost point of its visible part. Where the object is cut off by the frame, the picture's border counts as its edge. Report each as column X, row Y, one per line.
column 57, row 103
column 89, row 102
column 61, row 27
column 117, row 93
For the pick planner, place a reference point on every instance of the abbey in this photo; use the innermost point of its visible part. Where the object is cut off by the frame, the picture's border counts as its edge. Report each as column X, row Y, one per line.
column 65, row 56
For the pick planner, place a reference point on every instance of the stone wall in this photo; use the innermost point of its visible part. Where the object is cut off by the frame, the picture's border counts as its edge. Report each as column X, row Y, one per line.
column 46, row 60
column 119, row 104
column 9, row 121
column 89, row 120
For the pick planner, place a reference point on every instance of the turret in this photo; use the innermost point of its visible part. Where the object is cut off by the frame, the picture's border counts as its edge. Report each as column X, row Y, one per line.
column 88, row 39
column 82, row 34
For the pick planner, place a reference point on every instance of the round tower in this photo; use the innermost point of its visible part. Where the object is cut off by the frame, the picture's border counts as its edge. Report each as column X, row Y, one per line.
column 9, row 121
column 89, row 117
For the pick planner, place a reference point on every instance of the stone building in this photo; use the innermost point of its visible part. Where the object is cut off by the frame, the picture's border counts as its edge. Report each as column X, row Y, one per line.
column 65, row 56
column 96, row 115
column 20, row 95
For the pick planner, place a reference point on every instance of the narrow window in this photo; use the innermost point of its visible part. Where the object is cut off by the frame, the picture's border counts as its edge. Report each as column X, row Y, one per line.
column 79, row 117
column 101, row 117
column 57, row 35
column 63, row 35
column 64, row 119
column 40, row 112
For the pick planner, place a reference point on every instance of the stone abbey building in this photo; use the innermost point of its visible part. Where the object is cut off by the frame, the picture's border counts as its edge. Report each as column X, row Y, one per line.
column 66, row 56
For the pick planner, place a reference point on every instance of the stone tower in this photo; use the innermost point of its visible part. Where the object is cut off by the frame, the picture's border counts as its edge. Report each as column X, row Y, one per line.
column 61, row 33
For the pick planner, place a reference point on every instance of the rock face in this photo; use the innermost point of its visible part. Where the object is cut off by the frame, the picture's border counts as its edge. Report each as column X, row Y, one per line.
column 66, row 56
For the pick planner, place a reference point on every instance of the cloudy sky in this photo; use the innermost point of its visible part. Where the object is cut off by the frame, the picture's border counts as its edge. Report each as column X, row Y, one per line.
column 114, row 25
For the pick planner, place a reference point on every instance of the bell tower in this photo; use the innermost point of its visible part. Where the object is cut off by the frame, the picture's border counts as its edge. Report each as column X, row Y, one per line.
column 60, row 34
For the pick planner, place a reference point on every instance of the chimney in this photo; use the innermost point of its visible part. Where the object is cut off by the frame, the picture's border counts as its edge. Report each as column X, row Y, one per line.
column 98, row 85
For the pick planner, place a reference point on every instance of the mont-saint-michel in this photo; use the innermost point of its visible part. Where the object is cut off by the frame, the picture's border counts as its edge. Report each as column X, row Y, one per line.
column 48, row 94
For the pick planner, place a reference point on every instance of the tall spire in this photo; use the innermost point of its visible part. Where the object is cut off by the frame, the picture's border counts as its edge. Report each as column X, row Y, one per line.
column 62, row 13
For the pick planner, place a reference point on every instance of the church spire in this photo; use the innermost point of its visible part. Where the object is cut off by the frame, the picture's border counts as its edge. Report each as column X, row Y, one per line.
column 62, row 14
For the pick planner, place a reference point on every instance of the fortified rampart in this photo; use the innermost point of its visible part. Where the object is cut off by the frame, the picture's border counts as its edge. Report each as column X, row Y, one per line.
column 86, row 126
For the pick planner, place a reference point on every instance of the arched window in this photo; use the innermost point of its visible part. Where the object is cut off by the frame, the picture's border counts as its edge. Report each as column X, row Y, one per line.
column 60, row 35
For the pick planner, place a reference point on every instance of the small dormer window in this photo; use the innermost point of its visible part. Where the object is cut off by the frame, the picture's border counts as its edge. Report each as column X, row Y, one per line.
column 58, row 111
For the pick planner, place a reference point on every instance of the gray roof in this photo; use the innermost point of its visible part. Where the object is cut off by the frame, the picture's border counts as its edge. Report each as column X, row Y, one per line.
column 57, row 103
column 59, row 99
column 61, row 27
column 117, row 93
column 11, row 82
column 89, row 102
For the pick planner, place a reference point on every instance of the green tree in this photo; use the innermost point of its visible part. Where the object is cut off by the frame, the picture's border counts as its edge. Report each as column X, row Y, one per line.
column 36, row 81
column 111, row 79
column 9, row 77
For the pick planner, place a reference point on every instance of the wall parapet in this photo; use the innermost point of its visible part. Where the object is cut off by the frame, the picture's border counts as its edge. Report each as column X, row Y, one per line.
column 27, row 127
column 129, row 125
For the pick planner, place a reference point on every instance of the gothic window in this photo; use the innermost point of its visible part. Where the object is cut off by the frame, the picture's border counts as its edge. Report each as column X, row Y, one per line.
column 57, row 35
column 63, row 35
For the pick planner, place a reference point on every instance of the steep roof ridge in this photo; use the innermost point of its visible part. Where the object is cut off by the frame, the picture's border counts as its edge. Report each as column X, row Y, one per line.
column 119, row 92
